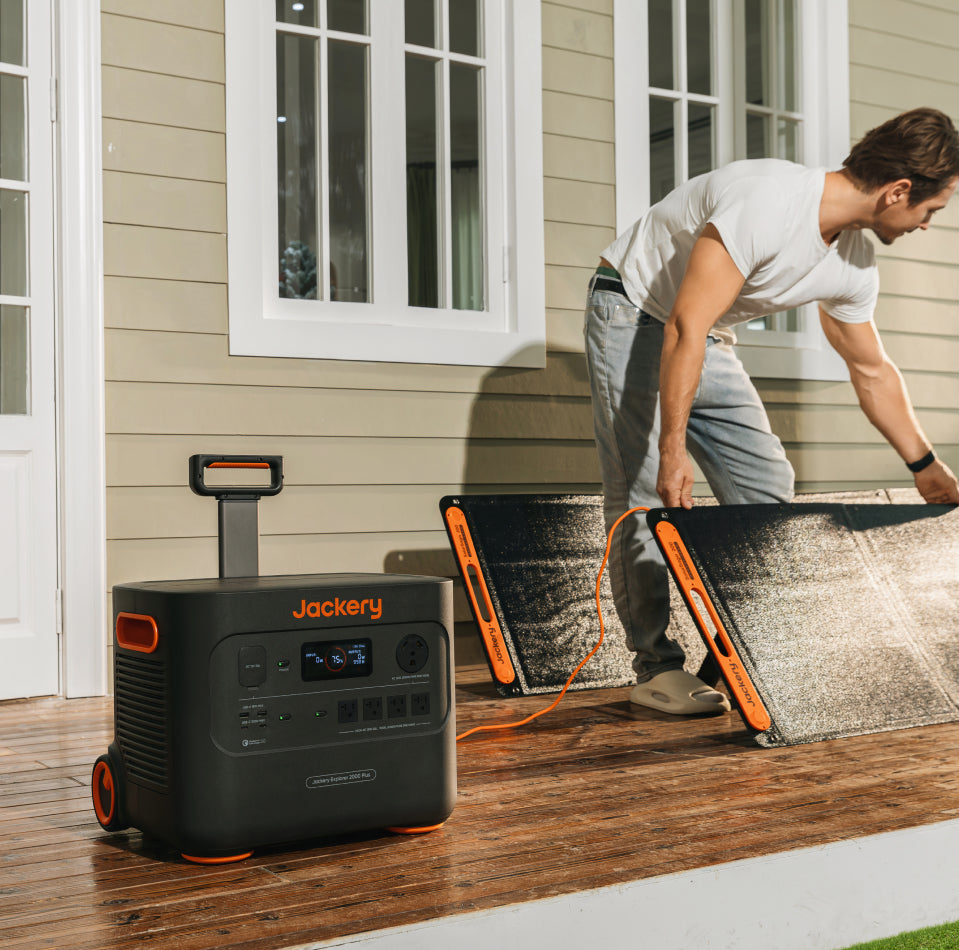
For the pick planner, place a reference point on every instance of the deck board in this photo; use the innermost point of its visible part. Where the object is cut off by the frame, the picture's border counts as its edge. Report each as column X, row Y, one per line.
column 596, row 793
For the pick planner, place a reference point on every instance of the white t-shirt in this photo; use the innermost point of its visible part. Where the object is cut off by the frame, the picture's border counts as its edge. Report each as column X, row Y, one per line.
column 767, row 213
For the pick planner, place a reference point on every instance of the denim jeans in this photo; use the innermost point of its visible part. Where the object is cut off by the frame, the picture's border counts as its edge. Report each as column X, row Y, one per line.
column 728, row 435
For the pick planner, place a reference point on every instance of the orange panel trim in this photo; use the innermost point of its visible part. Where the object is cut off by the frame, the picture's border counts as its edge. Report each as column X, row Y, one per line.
column 470, row 568
column 751, row 706
column 137, row 632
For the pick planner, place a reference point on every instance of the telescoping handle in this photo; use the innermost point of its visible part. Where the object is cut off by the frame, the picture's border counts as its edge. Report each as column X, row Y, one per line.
column 238, row 529
column 200, row 463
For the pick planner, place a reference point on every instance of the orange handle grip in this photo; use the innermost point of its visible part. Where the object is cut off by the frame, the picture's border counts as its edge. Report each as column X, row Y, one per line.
column 472, row 573
column 693, row 590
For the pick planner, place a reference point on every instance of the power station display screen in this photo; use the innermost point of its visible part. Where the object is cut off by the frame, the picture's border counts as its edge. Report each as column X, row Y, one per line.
column 336, row 659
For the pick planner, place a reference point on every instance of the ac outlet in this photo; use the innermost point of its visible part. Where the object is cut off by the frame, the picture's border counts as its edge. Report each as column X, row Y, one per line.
column 420, row 704
column 396, row 707
column 373, row 708
column 348, row 710
column 413, row 653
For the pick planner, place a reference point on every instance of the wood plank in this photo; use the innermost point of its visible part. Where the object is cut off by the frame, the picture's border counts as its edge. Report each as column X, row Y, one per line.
column 198, row 14
column 580, row 159
column 163, row 150
column 141, row 460
column 169, row 408
column 152, row 201
column 577, row 30
column 579, row 74
column 135, row 43
column 163, row 100
column 165, row 253
column 568, row 114
column 195, row 357
column 549, row 810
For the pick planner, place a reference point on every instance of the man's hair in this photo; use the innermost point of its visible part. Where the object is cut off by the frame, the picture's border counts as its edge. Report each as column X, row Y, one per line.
column 921, row 145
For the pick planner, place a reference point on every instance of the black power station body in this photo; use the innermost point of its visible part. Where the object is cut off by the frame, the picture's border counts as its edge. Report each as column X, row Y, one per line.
column 254, row 711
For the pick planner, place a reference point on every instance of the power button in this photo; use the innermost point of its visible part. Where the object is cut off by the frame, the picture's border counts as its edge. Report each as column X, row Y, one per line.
column 251, row 666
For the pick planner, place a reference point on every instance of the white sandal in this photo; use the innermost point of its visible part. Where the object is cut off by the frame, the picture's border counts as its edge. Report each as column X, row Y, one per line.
column 679, row 693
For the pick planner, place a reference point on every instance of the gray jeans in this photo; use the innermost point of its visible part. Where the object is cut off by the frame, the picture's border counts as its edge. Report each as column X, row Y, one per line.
column 728, row 435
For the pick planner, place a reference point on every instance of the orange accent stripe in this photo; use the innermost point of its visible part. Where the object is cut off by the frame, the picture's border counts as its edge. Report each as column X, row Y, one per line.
column 226, row 860
column 238, row 465
column 137, row 632
column 486, row 620
column 691, row 585
column 425, row 829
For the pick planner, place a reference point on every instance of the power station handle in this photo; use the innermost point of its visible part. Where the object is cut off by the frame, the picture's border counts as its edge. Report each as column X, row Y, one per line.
column 200, row 463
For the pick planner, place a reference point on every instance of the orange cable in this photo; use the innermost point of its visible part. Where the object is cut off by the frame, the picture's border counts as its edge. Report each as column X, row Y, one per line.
column 584, row 661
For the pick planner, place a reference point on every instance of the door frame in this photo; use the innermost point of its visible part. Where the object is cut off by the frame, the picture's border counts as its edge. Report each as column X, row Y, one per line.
column 80, row 371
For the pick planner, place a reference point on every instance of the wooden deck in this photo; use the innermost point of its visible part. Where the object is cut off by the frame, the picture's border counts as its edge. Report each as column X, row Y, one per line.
column 596, row 793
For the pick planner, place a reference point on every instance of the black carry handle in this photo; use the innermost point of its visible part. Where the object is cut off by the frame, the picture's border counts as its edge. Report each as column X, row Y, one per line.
column 238, row 531
column 200, row 463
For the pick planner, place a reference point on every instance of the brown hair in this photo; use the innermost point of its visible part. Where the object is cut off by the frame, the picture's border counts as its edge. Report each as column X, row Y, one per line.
column 921, row 145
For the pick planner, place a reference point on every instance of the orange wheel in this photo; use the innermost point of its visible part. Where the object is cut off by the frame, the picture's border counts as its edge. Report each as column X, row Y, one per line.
column 106, row 795
column 227, row 859
column 422, row 830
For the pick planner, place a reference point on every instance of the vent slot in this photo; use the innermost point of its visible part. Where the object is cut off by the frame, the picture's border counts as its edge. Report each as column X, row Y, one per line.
column 141, row 730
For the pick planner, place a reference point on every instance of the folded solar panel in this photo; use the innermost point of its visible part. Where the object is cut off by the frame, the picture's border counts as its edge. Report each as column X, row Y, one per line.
column 826, row 620
column 839, row 613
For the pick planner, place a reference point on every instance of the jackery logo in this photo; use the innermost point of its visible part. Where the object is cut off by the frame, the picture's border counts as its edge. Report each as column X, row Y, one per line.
column 371, row 607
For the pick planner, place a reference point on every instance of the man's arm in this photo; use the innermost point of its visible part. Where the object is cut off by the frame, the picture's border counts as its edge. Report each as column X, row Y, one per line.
column 709, row 287
column 885, row 401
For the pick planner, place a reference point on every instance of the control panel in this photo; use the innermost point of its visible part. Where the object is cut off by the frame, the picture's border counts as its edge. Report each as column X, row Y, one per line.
column 290, row 689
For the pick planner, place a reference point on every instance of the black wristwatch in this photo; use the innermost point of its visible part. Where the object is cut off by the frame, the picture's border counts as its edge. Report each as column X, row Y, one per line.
column 924, row 462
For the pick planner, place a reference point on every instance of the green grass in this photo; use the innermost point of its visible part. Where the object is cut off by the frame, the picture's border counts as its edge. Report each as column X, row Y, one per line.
column 943, row 937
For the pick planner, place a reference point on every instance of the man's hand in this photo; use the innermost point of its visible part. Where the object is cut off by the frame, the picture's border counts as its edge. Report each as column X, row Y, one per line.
column 675, row 482
column 937, row 484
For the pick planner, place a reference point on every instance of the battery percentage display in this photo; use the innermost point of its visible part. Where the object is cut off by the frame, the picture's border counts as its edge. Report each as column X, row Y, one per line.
column 336, row 659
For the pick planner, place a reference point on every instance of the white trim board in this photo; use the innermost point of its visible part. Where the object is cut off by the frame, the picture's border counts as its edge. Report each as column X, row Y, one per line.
column 819, row 898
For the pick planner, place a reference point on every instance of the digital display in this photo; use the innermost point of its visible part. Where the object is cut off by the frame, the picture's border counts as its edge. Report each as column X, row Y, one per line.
column 336, row 659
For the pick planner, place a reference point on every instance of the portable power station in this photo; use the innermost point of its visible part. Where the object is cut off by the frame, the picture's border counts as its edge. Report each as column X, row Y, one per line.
column 253, row 711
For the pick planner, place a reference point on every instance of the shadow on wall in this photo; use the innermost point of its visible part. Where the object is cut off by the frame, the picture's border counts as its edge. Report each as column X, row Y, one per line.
column 514, row 444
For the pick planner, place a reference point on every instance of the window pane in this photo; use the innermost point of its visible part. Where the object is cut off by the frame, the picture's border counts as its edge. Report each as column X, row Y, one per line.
column 347, row 16
column 787, row 55
column 662, row 149
column 349, row 172
column 661, row 44
column 756, row 137
column 787, row 140
column 13, row 138
column 701, row 148
column 421, row 203
column 757, row 92
column 11, row 32
column 420, row 22
column 14, row 360
column 698, row 33
column 13, row 243
column 301, row 12
column 464, row 27
column 296, row 123
column 466, row 192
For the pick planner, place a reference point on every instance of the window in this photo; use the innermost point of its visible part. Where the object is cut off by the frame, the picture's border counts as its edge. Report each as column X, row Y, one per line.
column 384, row 180
column 720, row 80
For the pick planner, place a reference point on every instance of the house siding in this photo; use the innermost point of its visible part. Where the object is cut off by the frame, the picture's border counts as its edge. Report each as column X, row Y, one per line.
column 902, row 55
column 368, row 448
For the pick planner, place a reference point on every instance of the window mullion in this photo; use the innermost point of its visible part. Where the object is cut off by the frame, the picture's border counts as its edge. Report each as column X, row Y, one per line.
column 681, row 130
column 444, row 184
column 387, row 156
column 323, row 152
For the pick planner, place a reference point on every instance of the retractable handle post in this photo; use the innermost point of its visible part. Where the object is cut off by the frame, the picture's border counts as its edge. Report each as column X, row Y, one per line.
column 238, row 529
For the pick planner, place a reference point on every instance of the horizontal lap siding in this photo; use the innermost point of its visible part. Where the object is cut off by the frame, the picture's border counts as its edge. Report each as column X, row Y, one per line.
column 368, row 449
column 903, row 54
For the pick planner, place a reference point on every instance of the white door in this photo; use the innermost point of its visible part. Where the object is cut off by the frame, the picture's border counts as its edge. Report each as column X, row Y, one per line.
column 29, row 649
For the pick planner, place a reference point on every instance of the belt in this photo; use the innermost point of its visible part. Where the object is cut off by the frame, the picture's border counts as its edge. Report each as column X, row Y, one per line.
column 608, row 279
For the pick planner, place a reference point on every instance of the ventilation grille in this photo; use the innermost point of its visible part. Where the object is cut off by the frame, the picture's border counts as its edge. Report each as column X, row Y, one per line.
column 141, row 720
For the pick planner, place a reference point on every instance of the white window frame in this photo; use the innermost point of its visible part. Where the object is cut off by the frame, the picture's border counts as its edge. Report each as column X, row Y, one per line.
column 824, row 96
column 511, row 331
